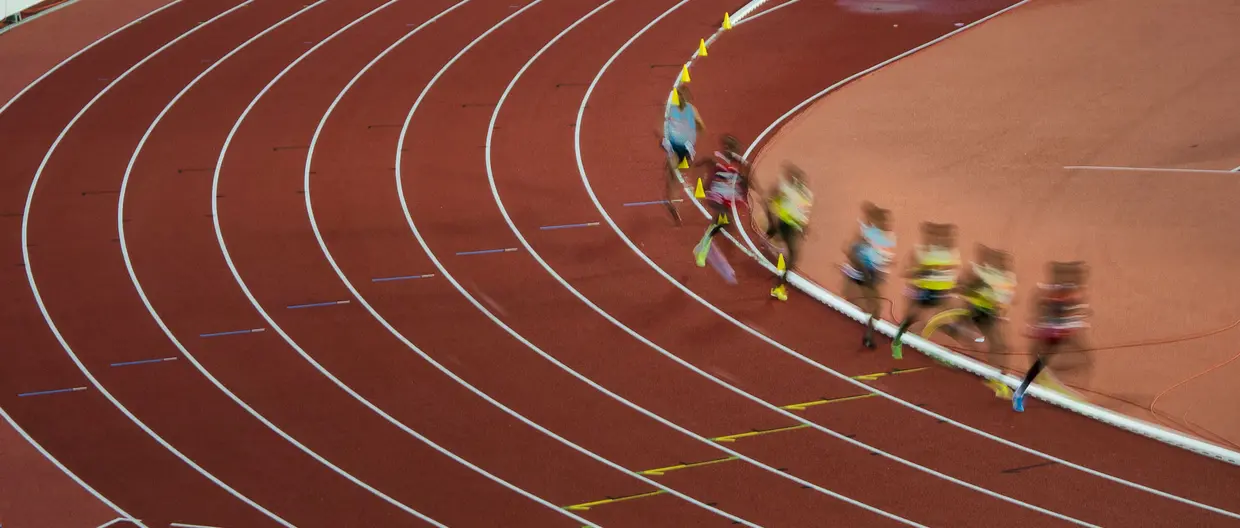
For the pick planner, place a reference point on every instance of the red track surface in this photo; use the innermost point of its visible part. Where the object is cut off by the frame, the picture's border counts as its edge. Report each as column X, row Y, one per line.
column 752, row 75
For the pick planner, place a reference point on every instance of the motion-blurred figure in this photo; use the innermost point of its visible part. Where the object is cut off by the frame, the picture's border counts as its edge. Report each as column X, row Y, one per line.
column 728, row 185
column 868, row 255
column 681, row 125
column 1059, row 317
column 933, row 269
column 789, row 205
column 988, row 287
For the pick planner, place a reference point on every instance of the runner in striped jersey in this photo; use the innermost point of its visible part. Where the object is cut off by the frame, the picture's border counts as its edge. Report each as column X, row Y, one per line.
column 728, row 185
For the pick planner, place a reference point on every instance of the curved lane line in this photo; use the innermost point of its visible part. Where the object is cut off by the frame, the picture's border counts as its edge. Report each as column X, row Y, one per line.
column 794, row 278
column 1233, row 457
column 219, row 233
column 120, row 214
column 361, row 300
column 439, row 265
column 34, row 288
column 13, row 423
column 331, row 260
column 508, row 219
column 690, row 366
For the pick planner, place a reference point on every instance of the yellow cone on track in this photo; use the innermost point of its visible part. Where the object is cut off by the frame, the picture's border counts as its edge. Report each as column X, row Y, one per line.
column 727, row 21
column 699, row 193
column 684, row 164
column 675, row 97
column 684, row 74
column 780, row 264
column 702, row 48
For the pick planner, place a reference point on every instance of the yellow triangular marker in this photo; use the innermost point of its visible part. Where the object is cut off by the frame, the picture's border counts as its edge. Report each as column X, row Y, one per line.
column 702, row 48
column 684, row 164
column 684, row 74
column 723, row 219
column 727, row 21
column 780, row 265
column 699, row 193
column 675, row 97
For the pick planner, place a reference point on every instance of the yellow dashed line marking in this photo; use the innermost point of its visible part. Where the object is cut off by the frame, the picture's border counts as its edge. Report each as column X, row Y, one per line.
column 734, row 437
column 587, row 505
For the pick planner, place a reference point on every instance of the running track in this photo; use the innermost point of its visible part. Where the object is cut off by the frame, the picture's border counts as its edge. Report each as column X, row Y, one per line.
column 270, row 165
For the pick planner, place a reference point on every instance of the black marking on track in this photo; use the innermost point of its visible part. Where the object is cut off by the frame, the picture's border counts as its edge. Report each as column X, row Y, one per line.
column 1012, row 471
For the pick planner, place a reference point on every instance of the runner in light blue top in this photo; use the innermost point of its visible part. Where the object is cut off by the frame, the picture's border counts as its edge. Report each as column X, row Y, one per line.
column 681, row 125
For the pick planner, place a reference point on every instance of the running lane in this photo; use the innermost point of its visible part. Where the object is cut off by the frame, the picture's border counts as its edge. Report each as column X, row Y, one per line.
column 534, row 177
column 733, row 87
column 266, row 231
column 196, row 290
column 444, row 147
column 76, row 259
column 84, row 430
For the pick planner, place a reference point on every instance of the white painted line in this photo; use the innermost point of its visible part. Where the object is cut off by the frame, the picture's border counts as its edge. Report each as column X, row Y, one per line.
column 133, row 277
column 117, row 520
column 184, row 525
column 478, row 305
column 219, row 235
column 775, row 408
column 314, row 141
column 3, row 413
column 1145, row 169
column 1125, row 422
column 34, row 288
column 439, row 265
column 525, row 243
column 823, row 295
column 29, row 439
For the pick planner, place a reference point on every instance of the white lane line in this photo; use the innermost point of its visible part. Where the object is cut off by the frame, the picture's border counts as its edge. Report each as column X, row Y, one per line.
column 585, row 180
column 133, row 277
column 13, row 423
column 219, row 234
column 1146, row 169
column 521, row 238
column 119, row 520
column 331, row 260
column 794, row 279
column 34, row 288
column 314, row 140
column 400, row 147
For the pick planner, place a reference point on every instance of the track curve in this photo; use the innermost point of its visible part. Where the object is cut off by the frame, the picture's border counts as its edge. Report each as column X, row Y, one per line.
column 344, row 373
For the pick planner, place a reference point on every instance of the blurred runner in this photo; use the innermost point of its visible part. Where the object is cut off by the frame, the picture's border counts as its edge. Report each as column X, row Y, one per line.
column 788, row 205
column 933, row 269
column 868, row 256
column 729, row 184
column 988, row 289
column 1060, row 315
column 681, row 125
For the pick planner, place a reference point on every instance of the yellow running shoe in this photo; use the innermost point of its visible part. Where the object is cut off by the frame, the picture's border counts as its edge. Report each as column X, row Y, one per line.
column 700, row 252
column 1001, row 390
column 780, row 292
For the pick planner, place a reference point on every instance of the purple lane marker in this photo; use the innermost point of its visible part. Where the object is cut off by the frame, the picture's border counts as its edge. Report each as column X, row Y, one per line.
column 402, row 277
column 143, row 362
column 56, row 391
column 234, row 332
column 568, row 226
column 317, row 304
column 486, row 251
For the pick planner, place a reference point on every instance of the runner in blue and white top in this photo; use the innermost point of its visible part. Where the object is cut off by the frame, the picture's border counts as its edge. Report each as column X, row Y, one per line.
column 681, row 125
